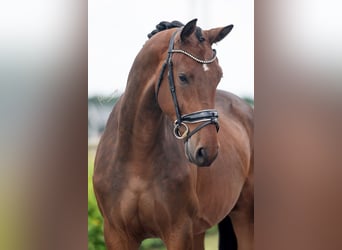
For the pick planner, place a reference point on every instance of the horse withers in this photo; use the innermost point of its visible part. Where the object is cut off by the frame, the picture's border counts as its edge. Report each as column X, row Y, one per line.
column 176, row 156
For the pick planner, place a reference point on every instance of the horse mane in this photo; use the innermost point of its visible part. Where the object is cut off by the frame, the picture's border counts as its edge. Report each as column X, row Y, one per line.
column 174, row 24
column 165, row 26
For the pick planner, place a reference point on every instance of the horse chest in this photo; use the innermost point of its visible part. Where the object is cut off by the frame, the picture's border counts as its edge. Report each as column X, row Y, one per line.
column 133, row 201
column 146, row 203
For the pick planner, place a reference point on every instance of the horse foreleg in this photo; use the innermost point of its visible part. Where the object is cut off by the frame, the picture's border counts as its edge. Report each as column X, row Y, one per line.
column 116, row 240
column 199, row 241
column 242, row 217
column 244, row 229
column 180, row 237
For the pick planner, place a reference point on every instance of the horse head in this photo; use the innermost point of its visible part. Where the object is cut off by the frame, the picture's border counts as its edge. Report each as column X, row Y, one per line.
column 191, row 73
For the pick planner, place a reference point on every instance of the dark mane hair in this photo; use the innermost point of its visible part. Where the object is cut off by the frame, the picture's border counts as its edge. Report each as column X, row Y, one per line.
column 165, row 26
column 174, row 24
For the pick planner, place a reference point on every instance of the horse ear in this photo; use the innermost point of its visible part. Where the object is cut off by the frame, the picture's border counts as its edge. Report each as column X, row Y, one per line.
column 188, row 29
column 217, row 34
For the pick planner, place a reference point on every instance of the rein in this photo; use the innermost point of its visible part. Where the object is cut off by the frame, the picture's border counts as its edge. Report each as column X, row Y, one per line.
column 206, row 116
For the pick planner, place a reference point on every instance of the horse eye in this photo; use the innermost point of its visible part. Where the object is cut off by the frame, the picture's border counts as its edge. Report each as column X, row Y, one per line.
column 183, row 78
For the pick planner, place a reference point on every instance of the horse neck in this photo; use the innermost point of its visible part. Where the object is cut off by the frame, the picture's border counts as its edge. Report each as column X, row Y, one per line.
column 141, row 119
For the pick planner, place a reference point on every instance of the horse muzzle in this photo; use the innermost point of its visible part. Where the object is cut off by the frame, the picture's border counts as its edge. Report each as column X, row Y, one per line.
column 201, row 156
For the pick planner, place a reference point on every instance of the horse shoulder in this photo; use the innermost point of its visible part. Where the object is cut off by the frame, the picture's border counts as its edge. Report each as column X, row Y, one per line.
column 105, row 162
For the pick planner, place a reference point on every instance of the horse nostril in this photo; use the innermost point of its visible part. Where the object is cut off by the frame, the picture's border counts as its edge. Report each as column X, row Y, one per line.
column 201, row 156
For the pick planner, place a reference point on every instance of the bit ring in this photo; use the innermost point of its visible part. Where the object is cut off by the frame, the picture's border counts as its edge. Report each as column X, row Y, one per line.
column 178, row 134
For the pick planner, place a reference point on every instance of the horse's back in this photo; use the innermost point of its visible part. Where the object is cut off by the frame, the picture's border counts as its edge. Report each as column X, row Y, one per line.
column 233, row 107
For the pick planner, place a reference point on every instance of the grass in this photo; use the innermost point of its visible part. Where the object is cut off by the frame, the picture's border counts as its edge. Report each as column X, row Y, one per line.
column 95, row 227
column 211, row 242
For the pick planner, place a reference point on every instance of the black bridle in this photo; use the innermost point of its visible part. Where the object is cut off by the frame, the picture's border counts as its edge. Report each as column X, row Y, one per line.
column 205, row 117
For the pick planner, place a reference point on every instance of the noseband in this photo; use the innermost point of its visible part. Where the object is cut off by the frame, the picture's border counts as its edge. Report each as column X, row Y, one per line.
column 206, row 116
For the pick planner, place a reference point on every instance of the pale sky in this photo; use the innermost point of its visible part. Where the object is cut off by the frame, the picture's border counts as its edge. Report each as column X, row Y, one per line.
column 118, row 30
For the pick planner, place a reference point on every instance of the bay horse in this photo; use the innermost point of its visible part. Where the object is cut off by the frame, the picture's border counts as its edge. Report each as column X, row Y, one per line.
column 176, row 156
